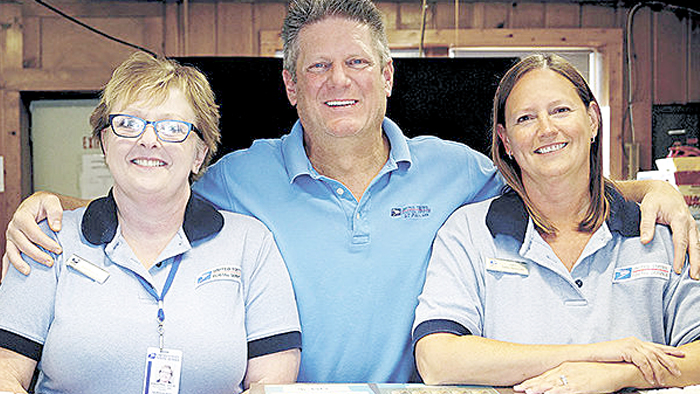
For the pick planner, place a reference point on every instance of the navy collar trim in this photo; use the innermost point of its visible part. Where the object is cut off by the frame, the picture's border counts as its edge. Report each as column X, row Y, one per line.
column 99, row 225
column 507, row 215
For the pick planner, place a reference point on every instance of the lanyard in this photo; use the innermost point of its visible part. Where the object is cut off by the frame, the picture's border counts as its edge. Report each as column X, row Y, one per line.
column 166, row 287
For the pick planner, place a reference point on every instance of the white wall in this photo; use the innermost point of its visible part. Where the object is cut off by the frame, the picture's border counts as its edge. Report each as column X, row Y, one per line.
column 60, row 138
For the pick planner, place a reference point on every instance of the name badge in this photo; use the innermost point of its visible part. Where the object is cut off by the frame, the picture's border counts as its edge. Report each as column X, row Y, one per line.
column 508, row 267
column 650, row 270
column 163, row 368
column 92, row 271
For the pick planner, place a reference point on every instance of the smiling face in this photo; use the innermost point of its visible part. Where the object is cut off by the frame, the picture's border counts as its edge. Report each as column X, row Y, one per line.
column 341, row 86
column 548, row 129
column 145, row 164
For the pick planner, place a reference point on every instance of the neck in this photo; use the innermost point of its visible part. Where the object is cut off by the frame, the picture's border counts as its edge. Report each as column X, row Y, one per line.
column 148, row 223
column 563, row 203
column 353, row 161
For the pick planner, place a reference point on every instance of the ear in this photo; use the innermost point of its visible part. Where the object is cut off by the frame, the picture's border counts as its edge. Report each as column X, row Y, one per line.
column 388, row 76
column 594, row 116
column 501, row 131
column 290, row 86
column 103, row 146
column 200, row 155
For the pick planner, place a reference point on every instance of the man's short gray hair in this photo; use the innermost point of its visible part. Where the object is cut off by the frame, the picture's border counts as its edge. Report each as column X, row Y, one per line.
column 302, row 13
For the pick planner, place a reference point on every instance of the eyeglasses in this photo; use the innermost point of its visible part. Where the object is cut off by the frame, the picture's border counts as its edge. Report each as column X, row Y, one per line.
column 169, row 130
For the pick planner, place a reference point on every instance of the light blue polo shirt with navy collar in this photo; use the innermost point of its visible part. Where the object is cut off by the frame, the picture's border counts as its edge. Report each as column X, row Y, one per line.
column 357, row 266
column 491, row 274
column 231, row 300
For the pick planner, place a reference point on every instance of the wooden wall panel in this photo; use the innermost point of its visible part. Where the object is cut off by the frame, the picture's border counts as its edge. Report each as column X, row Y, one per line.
column 391, row 14
column 495, row 15
column 59, row 38
column 694, row 63
column 267, row 16
column 527, row 15
column 174, row 41
column 598, row 16
column 641, row 89
column 410, row 16
column 670, row 59
column 201, row 29
column 562, row 15
column 233, row 29
column 31, row 45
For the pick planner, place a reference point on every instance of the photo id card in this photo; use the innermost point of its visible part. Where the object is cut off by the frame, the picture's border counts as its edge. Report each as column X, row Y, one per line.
column 163, row 367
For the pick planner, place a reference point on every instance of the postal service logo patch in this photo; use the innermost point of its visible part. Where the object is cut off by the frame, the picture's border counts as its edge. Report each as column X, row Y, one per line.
column 227, row 273
column 411, row 212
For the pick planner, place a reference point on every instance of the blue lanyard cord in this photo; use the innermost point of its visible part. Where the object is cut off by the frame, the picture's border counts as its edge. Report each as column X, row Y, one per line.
column 168, row 282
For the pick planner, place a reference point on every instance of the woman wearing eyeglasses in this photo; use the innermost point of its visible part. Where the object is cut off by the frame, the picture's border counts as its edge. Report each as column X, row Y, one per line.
column 150, row 276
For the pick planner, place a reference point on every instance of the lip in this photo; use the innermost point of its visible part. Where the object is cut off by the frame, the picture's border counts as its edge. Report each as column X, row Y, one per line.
column 551, row 148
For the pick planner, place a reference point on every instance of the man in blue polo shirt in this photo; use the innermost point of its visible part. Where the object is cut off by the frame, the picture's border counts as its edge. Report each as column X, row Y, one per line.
column 353, row 203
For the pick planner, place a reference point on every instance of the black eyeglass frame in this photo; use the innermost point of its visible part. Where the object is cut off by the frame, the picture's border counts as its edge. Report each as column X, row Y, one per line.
column 191, row 127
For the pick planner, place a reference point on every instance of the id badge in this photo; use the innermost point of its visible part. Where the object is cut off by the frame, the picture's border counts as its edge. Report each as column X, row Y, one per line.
column 163, row 367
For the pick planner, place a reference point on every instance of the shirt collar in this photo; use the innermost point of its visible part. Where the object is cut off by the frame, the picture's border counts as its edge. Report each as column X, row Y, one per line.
column 99, row 225
column 507, row 215
column 297, row 162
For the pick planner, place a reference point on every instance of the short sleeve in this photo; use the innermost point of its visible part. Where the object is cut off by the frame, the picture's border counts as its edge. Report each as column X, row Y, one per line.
column 27, row 305
column 272, row 321
column 681, row 300
column 450, row 301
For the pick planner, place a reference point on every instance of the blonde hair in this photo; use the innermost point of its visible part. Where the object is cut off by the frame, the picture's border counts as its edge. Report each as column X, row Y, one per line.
column 144, row 77
column 599, row 186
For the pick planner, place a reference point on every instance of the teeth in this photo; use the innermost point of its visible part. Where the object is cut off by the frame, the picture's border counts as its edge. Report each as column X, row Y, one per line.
column 148, row 163
column 551, row 148
column 340, row 103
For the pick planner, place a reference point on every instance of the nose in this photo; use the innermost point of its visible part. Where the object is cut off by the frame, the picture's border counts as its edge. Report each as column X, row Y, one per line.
column 339, row 76
column 545, row 124
column 149, row 136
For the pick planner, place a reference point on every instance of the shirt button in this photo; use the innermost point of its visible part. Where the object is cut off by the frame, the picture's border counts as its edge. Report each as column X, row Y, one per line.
column 579, row 282
column 340, row 191
column 358, row 216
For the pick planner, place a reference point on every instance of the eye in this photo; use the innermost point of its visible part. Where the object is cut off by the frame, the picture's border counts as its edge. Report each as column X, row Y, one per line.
column 358, row 63
column 523, row 118
column 560, row 110
column 127, row 122
column 319, row 67
column 172, row 127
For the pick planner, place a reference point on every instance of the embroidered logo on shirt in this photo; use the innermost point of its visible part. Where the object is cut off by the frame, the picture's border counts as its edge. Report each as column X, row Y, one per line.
column 229, row 273
column 411, row 212
column 650, row 270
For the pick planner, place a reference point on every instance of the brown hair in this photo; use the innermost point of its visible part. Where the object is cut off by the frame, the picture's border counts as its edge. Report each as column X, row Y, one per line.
column 599, row 208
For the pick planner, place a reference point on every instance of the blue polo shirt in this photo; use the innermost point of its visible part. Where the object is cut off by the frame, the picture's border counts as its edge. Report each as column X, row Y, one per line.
column 357, row 266
column 231, row 299
column 491, row 274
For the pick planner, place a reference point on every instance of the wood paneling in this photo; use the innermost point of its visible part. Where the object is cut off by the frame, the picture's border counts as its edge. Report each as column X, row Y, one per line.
column 562, row 15
column 670, row 59
column 201, row 31
column 598, row 16
column 641, row 90
column 233, row 31
column 694, row 63
column 527, row 15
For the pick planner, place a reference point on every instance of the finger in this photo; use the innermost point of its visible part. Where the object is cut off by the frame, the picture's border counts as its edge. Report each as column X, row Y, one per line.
column 19, row 242
column 25, row 233
column 54, row 213
column 643, row 365
column 13, row 256
column 680, row 233
column 4, row 265
column 693, row 253
column 647, row 223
